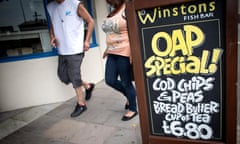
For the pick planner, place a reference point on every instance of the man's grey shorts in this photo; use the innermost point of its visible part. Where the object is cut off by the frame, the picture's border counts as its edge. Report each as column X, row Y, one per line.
column 69, row 69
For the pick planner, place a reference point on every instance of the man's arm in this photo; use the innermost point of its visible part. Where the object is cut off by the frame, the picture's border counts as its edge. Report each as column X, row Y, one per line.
column 53, row 40
column 82, row 12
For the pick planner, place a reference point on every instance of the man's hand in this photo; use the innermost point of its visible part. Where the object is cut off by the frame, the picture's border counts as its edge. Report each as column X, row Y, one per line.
column 53, row 42
column 86, row 46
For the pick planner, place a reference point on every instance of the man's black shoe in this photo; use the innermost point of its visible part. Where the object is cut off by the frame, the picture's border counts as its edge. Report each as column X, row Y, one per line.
column 89, row 92
column 78, row 110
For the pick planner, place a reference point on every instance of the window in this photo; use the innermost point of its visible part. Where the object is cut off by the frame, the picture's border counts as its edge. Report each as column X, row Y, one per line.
column 23, row 28
column 24, row 31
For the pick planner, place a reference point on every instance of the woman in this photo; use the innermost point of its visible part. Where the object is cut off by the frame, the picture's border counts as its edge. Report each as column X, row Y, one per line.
column 119, row 56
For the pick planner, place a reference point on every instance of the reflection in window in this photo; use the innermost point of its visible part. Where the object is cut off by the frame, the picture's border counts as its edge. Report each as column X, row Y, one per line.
column 23, row 28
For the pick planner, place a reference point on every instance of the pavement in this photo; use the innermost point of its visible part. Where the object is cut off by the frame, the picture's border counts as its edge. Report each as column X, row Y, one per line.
column 52, row 124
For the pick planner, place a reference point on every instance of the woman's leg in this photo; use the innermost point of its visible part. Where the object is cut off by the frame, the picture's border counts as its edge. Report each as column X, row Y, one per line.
column 124, row 69
column 111, row 74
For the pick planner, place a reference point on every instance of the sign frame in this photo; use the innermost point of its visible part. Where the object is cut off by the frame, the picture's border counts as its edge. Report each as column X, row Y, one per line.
column 231, row 19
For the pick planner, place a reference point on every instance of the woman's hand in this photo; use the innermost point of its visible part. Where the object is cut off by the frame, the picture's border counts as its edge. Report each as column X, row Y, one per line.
column 105, row 54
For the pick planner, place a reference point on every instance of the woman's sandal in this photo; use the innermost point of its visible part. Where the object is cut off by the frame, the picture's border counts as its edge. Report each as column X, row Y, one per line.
column 126, row 118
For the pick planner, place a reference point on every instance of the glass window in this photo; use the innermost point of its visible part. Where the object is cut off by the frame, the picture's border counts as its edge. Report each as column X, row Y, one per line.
column 24, row 32
column 23, row 28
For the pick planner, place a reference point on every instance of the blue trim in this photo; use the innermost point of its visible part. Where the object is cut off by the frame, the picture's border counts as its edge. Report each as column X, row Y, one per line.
column 54, row 52
column 94, row 40
column 93, row 45
column 90, row 7
column 28, row 57
column 45, row 2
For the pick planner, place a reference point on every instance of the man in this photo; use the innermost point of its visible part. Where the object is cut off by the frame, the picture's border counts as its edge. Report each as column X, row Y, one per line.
column 67, row 33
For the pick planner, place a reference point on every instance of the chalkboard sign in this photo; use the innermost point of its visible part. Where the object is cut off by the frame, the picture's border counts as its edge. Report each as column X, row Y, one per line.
column 182, row 49
column 183, row 54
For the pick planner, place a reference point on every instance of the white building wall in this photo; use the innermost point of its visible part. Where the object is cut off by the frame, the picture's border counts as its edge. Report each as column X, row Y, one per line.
column 30, row 83
column 94, row 64
column 101, row 12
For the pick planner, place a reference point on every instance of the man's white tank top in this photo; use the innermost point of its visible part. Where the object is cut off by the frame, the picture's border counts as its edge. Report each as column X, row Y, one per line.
column 68, row 26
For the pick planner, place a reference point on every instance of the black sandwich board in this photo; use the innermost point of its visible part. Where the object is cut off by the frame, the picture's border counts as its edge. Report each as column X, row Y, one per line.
column 185, row 67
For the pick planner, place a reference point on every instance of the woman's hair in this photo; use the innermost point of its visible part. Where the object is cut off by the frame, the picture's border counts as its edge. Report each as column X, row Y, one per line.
column 116, row 4
column 122, row 1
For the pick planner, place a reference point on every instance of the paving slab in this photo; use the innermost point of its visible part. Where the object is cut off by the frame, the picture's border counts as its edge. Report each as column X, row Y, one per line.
column 100, row 124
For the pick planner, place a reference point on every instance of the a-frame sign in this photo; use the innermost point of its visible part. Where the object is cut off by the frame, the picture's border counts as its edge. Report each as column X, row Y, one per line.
column 185, row 67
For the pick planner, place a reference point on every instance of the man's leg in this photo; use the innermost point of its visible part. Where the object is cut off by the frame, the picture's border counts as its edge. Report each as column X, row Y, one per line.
column 88, row 89
column 79, row 91
column 81, row 105
column 80, row 98
column 74, row 74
